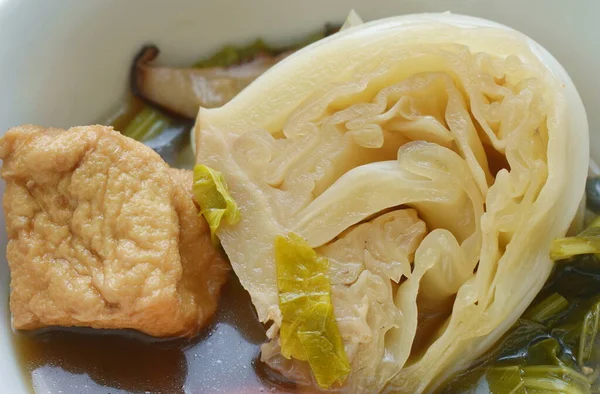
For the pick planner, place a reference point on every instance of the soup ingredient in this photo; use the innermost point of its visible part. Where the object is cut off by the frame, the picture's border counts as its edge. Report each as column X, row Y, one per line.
column 586, row 242
column 209, row 83
column 184, row 90
column 146, row 125
column 91, row 361
column 166, row 134
column 166, row 130
column 125, row 114
column 471, row 125
column 353, row 19
column 173, row 146
column 212, row 195
column 231, row 55
column 536, row 379
column 592, row 190
column 557, row 350
column 102, row 233
column 549, row 307
column 308, row 329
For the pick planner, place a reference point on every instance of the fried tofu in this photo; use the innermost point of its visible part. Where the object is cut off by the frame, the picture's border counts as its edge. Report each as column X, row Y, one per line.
column 103, row 234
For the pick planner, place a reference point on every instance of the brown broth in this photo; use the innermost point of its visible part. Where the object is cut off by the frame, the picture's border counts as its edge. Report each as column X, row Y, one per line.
column 85, row 361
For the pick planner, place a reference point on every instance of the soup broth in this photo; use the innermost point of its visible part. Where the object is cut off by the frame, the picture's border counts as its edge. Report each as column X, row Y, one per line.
column 221, row 360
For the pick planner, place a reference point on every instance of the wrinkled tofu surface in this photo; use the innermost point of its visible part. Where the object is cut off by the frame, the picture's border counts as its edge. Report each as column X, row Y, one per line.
column 102, row 233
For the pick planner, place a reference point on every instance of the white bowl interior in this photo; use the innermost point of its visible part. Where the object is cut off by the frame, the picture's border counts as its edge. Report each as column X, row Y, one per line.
column 66, row 63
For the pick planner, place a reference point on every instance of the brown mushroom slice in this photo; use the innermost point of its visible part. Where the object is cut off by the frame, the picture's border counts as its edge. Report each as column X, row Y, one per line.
column 183, row 90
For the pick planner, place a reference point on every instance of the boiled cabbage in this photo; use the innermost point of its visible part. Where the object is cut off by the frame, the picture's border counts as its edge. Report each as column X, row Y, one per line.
column 212, row 195
column 308, row 331
column 431, row 159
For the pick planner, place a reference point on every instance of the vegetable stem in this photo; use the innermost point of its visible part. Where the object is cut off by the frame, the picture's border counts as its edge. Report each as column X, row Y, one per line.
column 589, row 335
column 148, row 123
column 549, row 307
column 128, row 110
column 586, row 242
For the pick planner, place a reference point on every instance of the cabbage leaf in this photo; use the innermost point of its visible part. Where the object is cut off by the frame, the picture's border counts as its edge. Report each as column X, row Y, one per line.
column 309, row 331
column 212, row 195
column 431, row 159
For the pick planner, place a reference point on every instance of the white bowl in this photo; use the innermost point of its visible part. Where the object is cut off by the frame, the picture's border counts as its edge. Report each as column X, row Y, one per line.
column 65, row 63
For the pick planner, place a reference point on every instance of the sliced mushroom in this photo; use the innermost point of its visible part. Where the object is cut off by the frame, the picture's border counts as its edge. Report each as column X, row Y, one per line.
column 183, row 90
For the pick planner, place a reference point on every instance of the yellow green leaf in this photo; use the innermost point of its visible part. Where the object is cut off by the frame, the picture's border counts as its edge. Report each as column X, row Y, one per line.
column 211, row 193
column 309, row 331
column 586, row 242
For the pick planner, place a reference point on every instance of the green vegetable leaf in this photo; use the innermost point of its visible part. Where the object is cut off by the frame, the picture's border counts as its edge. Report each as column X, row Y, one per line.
column 586, row 242
column 589, row 346
column 212, row 194
column 546, row 309
column 126, row 112
column 558, row 335
column 231, row 55
column 309, row 331
column 536, row 379
column 544, row 352
column 554, row 379
column 147, row 124
column 505, row 380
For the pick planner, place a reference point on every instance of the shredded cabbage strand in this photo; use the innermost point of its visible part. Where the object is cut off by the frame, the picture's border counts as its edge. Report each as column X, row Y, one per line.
column 309, row 331
column 212, row 194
